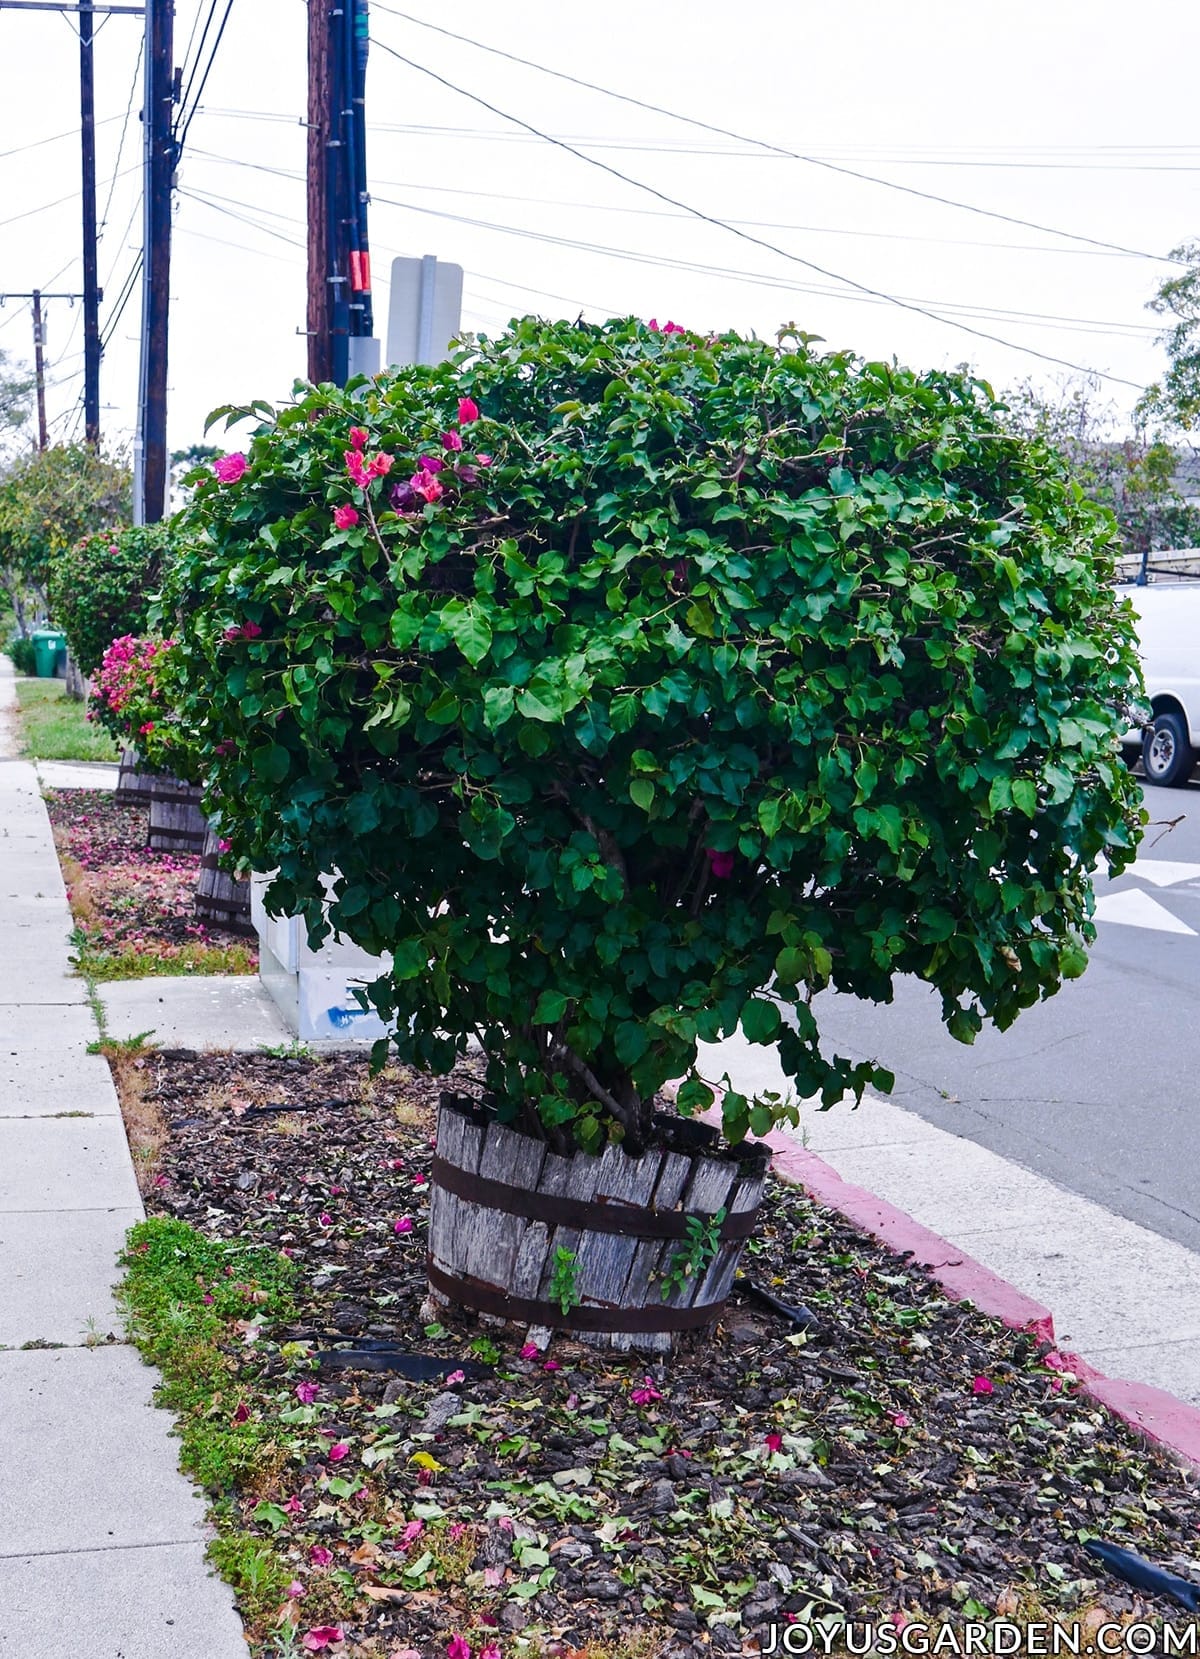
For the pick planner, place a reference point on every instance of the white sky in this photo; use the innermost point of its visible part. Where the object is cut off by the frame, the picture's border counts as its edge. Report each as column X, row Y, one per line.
column 1092, row 102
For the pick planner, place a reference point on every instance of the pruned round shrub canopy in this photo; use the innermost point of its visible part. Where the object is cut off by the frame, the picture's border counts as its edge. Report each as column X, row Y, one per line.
column 637, row 684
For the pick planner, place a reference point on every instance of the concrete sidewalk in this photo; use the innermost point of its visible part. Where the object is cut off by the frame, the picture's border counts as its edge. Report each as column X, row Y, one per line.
column 101, row 1538
column 1123, row 1297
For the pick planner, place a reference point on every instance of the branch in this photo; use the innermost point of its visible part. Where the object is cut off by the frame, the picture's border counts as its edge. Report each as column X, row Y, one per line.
column 585, row 1074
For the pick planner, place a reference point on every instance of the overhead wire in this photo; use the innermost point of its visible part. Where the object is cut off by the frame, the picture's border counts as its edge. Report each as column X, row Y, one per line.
column 186, row 117
column 741, row 138
column 764, row 279
column 661, row 213
column 112, row 183
column 783, row 253
column 251, row 214
column 37, row 143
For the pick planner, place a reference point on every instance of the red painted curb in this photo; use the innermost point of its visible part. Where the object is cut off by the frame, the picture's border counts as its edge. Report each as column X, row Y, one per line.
column 1156, row 1416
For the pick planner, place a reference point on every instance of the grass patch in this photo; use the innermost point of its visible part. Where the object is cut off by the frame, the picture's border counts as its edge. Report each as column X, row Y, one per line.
column 187, row 1298
column 54, row 727
column 185, row 960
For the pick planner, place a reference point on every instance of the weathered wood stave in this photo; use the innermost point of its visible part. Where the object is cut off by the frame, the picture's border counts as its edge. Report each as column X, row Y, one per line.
column 222, row 899
column 135, row 781
column 502, row 1264
column 177, row 821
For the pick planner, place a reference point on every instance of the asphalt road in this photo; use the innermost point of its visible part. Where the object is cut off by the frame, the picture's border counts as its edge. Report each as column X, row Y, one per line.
column 1098, row 1088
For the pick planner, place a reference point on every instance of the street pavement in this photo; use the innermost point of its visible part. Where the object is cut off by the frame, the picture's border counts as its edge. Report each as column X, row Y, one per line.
column 1097, row 1088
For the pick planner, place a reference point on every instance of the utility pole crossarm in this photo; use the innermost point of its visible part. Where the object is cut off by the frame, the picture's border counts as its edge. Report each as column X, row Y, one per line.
column 61, row 6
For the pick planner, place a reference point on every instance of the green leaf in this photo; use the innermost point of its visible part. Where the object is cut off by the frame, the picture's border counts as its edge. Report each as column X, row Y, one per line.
column 1024, row 796
column 469, row 628
column 760, row 1020
column 272, row 762
column 498, row 704
column 540, row 701
column 551, row 1006
column 641, row 793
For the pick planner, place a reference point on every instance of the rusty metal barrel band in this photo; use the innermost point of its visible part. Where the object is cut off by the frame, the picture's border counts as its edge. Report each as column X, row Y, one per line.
column 484, row 1298
column 625, row 1220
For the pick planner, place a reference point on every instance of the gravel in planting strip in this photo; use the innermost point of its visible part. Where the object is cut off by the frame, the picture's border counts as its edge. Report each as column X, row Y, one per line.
column 907, row 1458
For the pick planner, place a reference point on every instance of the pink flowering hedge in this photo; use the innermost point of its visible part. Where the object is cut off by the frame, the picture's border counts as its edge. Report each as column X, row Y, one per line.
column 640, row 684
column 135, row 700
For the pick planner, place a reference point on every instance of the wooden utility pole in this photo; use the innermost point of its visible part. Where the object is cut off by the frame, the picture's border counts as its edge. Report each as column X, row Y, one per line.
column 39, row 350
column 320, row 319
column 156, row 271
column 39, row 362
column 340, row 321
column 91, row 280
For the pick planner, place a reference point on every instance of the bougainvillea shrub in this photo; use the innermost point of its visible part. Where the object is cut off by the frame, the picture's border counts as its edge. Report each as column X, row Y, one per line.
column 101, row 588
column 636, row 684
column 135, row 697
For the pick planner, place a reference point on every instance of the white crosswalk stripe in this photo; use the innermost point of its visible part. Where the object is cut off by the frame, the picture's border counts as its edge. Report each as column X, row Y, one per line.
column 1133, row 908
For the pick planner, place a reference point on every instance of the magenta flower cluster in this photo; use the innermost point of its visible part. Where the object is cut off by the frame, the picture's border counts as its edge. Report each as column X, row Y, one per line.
column 428, row 483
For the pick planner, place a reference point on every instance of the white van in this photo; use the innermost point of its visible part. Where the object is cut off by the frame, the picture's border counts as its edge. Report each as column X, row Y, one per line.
column 1168, row 630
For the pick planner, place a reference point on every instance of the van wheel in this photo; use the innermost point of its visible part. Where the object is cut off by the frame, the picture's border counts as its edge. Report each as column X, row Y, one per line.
column 1167, row 753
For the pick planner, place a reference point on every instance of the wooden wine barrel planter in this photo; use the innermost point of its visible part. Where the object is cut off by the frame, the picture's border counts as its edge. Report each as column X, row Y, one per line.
column 221, row 898
column 177, row 821
column 503, row 1204
column 135, row 781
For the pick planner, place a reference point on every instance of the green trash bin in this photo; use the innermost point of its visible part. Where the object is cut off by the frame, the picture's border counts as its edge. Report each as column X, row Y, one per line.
column 49, row 648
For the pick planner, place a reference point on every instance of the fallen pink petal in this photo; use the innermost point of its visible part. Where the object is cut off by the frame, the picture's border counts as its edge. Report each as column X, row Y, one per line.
column 306, row 1392
column 322, row 1637
column 981, row 1385
column 320, row 1556
column 404, row 1225
column 458, row 1648
column 337, row 1452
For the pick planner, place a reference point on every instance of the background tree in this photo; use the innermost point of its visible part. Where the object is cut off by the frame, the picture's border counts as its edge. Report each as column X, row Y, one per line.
column 48, row 501
column 16, row 388
column 1175, row 399
column 1134, row 474
column 102, row 587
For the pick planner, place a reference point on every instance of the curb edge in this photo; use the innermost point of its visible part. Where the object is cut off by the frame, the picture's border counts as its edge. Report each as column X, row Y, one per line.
column 1166, row 1422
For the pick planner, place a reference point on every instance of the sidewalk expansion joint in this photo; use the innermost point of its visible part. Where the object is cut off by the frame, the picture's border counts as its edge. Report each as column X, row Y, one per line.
column 103, row 1549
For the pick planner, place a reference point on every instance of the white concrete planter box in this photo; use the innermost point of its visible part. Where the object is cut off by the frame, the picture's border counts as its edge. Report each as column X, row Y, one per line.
column 314, row 989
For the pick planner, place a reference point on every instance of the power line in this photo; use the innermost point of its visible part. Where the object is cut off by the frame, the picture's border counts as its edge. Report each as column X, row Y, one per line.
column 251, row 214
column 660, row 213
column 58, row 201
column 123, row 299
column 721, row 224
column 112, row 183
column 763, row 279
column 36, row 143
column 725, row 132
column 184, row 122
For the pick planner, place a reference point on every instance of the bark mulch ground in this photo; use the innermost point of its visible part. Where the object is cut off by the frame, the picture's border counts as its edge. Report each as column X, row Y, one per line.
column 909, row 1461
column 133, row 908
